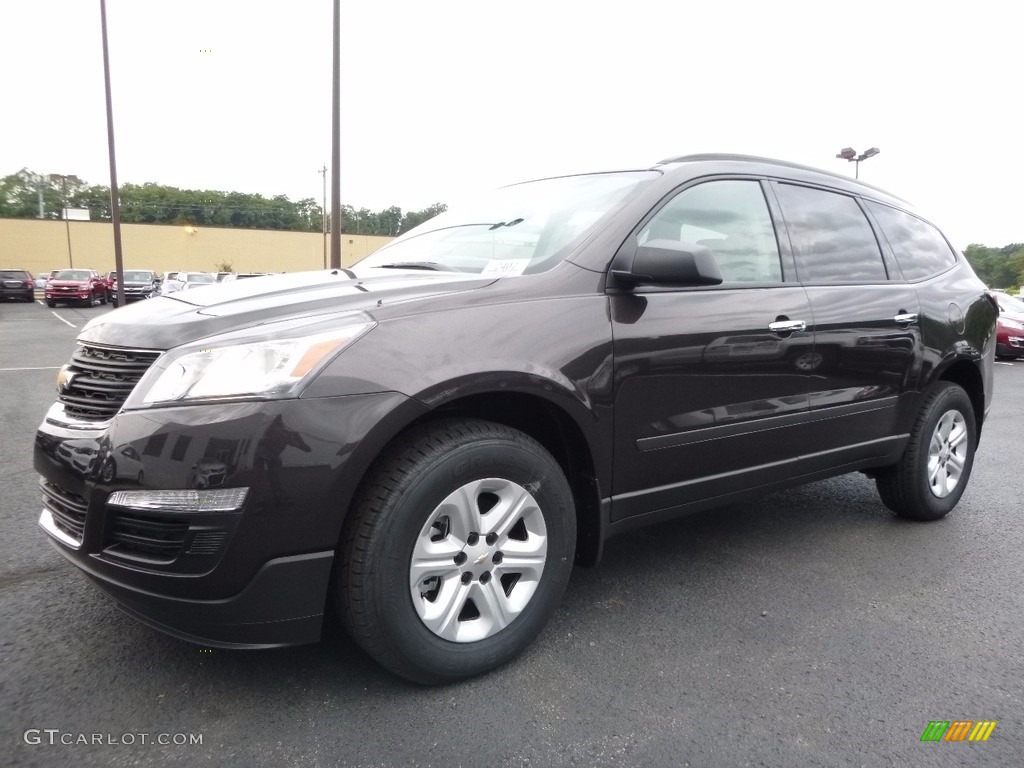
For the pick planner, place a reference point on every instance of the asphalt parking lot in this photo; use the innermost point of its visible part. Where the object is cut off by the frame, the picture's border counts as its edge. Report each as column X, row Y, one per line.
column 812, row 628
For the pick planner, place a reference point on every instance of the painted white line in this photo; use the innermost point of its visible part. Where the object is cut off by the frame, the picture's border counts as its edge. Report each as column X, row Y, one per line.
column 63, row 320
column 1000, row 362
column 48, row 368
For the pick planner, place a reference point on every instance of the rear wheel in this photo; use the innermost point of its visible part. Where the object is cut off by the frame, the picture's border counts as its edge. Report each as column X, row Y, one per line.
column 933, row 472
column 457, row 551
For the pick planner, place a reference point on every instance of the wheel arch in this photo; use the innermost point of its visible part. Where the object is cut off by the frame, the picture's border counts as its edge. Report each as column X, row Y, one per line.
column 545, row 421
column 966, row 375
column 561, row 435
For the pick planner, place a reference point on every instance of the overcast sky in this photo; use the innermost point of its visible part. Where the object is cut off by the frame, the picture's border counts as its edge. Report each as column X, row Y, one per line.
column 441, row 99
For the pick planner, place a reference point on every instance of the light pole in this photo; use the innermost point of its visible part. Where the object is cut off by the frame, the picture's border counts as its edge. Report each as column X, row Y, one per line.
column 850, row 154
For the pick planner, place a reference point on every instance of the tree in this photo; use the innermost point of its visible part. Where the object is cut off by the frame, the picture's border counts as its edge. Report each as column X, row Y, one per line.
column 152, row 203
column 415, row 218
column 998, row 267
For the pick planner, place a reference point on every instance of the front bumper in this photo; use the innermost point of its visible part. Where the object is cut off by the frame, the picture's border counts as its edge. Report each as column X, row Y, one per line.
column 257, row 576
column 68, row 295
column 1012, row 346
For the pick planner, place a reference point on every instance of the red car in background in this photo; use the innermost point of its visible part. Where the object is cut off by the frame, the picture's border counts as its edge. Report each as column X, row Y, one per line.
column 1009, row 326
column 82, row 286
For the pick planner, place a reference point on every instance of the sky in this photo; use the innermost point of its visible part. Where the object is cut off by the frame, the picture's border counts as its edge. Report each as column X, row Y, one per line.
column 444, row 99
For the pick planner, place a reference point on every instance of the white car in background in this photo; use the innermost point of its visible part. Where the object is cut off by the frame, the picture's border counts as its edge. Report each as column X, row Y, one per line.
column 182, row 281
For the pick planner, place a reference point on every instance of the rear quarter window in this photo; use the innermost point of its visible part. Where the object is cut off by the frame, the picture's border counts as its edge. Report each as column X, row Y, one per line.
column 919, row 248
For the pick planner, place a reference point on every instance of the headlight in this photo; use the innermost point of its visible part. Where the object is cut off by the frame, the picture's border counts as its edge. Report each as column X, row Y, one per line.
column 244, row 365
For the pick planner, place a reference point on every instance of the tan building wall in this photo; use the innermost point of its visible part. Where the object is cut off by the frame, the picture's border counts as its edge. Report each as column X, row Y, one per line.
column 41, row 245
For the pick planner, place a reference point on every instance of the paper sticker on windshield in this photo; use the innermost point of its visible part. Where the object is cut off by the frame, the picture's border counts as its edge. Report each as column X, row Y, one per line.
column 506, row 267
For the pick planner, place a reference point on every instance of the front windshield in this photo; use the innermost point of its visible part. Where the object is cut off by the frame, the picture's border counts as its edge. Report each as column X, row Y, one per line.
column 138, row 277
column 202, row 279
column 72, row 274
column 515, row 230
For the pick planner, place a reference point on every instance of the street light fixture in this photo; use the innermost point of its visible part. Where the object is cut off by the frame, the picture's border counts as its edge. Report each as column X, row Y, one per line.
column 850, row 154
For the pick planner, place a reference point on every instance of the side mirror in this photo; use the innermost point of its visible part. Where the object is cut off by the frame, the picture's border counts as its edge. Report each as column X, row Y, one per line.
column 670, row 262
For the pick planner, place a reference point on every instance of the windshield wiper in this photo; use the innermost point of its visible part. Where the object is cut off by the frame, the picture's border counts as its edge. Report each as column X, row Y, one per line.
column 507, row 223
column 428, row 265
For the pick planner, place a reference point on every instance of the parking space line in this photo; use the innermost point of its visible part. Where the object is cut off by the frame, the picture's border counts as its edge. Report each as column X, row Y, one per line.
column 63, row 320
column 47, row 368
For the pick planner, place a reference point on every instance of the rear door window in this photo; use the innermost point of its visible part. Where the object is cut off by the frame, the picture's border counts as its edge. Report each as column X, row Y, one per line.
column 831, row 237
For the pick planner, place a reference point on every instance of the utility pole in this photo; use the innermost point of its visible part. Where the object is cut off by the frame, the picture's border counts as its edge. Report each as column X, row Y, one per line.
column 64, row 206
column 115, row 197
column 323, row 211
column 336, row 143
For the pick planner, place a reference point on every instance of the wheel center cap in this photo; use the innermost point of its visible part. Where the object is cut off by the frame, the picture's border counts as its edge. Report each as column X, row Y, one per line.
column 476, row 555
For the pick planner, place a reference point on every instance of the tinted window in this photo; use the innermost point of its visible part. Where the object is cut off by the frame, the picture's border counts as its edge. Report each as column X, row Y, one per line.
column 920, row 250
column 729, row 217
column 831, row 237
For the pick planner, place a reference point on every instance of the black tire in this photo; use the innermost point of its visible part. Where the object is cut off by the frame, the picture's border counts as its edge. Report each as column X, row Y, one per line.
column 392, row 517
column 50, row 303
column 905, row 488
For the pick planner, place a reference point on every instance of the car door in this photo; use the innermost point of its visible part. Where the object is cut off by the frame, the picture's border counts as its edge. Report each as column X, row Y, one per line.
column 711, row 383
column 867, row 339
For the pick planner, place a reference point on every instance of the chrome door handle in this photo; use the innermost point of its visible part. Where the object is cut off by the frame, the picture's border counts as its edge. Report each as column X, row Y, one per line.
column 787, row 326
column 906, row 318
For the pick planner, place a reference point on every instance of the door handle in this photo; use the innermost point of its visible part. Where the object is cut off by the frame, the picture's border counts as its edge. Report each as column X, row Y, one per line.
column 906, row 318
column 787, row 326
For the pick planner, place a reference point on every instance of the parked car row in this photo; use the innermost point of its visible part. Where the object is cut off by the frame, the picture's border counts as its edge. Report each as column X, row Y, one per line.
column 89, row 287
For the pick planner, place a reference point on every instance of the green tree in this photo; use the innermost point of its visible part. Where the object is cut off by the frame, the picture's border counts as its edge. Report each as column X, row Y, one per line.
column 152, row 203
column 415, row 218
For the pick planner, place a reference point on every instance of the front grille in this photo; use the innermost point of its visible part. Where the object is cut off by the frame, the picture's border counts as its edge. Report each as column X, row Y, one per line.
column 68, row 509
column 146, row 537
column 103, row 377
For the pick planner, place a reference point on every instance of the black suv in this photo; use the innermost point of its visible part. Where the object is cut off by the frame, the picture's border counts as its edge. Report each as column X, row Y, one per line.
column 17, row 284
column 138, row 284
column 427, row 442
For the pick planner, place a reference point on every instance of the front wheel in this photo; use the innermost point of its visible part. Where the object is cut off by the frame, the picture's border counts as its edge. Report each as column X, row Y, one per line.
column 933, row 472
column 457, row 552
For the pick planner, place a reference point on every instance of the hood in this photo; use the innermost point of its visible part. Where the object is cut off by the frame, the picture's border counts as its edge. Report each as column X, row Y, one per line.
column 1017, row 317
column 184, row 316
